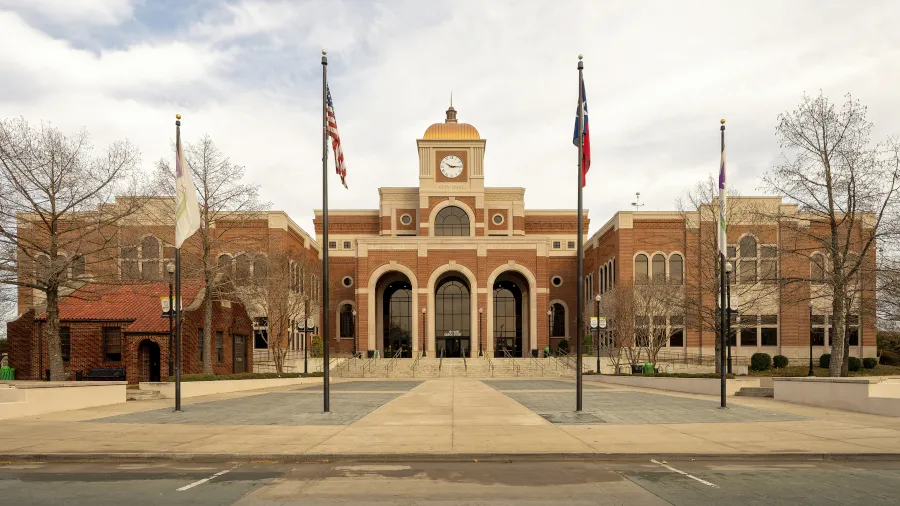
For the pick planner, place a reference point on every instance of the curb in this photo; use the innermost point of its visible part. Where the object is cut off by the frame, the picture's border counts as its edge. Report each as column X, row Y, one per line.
column 432, row 457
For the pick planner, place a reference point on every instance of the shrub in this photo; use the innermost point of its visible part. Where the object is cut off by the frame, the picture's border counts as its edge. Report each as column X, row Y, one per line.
column 779, row 361
column 824, row 360
column 760, row 362
column 870, row 363
column 316, row 346
column 853, row 364
column 890, row 358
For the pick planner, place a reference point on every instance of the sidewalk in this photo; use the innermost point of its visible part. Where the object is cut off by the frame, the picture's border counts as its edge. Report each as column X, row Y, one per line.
column 450, row 419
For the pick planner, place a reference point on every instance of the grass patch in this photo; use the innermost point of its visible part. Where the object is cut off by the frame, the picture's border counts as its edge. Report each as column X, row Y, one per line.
column 245, row 376
column 796, row 371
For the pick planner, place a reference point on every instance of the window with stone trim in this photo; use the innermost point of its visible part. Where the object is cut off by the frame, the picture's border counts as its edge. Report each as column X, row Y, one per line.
column 150, row 258
column 200, row 345
column 641, row 268
column 659, row 268
column 676, row 331
column 129, row 266
column 452, row 221
column 747, row 265
column 346, row 321
column 558, row 320
column 676, row 269
column 220, row 349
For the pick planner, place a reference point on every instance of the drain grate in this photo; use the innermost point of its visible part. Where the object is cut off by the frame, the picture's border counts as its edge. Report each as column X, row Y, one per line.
column 572, row 418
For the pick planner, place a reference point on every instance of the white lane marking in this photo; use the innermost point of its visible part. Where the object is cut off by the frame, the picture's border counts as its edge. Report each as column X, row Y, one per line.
column 372, row 468
column 691, row 476
column 204, row 480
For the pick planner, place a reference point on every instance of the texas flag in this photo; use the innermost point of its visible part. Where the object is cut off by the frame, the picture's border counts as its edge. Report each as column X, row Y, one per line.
column 586, row 154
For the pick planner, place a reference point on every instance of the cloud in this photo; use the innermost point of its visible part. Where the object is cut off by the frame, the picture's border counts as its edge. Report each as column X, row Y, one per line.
column 659, row 77
column 88, row 12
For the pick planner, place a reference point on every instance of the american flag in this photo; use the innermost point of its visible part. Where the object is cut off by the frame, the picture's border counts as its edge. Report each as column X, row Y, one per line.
column 335, row 138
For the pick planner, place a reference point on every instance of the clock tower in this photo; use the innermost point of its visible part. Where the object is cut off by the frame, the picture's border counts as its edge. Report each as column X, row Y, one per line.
column 451, row 159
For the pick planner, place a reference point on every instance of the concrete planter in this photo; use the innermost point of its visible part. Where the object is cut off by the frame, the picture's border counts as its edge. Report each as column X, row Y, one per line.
column 879, row 396
column 703, row 386
column 198, row 388
column 28, row 398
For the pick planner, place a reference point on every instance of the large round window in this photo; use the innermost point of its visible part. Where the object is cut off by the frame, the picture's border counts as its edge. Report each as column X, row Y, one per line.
column 405, row 219
column 347, row 281
column 498, row 219
column 556, row 281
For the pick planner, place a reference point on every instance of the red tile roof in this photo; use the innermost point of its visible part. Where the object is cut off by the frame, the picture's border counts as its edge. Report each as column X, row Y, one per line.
column 138, row 303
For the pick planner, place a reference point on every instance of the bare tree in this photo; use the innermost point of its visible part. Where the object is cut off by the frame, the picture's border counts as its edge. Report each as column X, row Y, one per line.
column 755, row 286
column 226, row 203
column 846, row 188
column 618, row 306
column 58, row 214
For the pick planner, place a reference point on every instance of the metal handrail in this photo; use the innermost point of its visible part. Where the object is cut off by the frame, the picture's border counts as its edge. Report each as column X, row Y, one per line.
column 540, row 365
column 441, row 362
column 392, row 362
column 368, row 365
column 415, row 363
column 465, row 365
column 490, row 364
column 516, row 366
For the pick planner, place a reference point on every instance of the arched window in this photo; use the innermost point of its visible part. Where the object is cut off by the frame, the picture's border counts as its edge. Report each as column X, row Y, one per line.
column 659, row 268
column 150, row 258
column 676, row 269
column 130, row 267
column 42, row 268
column 260, row 269
column 747, row 264
column 452, row 307
column 451, row 221
column 602, row 280
column 242, row 269
column 850, row 263
column 223, row 263
column 641, row 272
column 817, row 267
column 558, row 320
column 347, row 322
column 60, row 261
column 78, row 268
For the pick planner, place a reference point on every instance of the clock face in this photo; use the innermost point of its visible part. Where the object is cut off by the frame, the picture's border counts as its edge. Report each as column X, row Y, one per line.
column 451, row 166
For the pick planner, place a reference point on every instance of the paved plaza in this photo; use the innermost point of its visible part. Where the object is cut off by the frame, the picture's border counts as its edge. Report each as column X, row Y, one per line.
column 450, row 418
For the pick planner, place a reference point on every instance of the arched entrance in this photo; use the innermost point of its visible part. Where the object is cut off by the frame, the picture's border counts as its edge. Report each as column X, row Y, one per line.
column 507, row 317
column 394, row 315
column 452, row 316
column 511, row 312
column 148, row 358
column 397, row 319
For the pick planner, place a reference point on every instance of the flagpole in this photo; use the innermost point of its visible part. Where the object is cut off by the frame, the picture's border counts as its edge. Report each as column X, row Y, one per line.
column 325, row 312
column 723, row 248
column 177, row 290
column 579, row 296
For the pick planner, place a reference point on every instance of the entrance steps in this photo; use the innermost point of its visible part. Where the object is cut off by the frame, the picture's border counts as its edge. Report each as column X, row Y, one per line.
column 142, row 395
column 755, row 392
column 430, row 367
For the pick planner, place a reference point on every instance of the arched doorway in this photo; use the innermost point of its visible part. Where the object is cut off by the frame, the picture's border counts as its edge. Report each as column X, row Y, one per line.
column 507, row 319
column 397, row 319
column 452, row 316
column 148, row 358
column 394, row 315
column 511, row 314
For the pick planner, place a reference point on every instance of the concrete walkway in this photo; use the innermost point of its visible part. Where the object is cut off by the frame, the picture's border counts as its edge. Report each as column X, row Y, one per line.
column 455, row 418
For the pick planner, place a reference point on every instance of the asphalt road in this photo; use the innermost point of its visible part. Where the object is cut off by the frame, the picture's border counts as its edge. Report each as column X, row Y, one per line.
column 513, row 483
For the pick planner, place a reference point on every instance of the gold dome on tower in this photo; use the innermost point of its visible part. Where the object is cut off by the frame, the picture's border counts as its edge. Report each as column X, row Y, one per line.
column 451, row 129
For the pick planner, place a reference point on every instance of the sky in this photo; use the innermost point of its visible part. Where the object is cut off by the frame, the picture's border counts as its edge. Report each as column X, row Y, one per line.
column 659, row 76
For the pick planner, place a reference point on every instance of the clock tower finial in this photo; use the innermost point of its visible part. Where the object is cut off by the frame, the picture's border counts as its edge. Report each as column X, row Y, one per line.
column 451, row 112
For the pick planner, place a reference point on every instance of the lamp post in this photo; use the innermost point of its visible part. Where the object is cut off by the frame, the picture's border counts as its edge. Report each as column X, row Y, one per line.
column 728, row 268
column 481, row 346
column 597, row 346
column 424, row 334
column 549, row 326
column 354, row 332
column 306, row 337
column 811, row 372
column 170, row 268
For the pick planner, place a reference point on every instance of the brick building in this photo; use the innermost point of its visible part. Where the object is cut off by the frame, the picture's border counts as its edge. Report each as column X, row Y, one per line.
column 243, row 246
column 779, row 305
column 451, row 267
column 124, row 327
